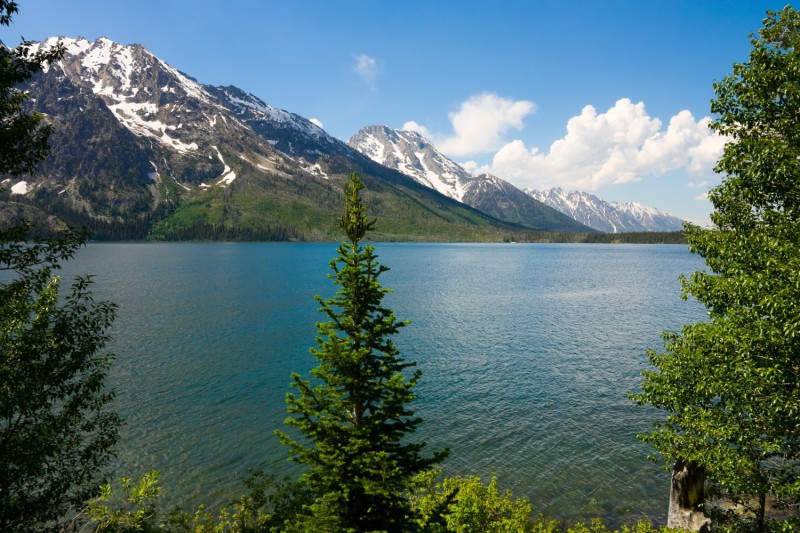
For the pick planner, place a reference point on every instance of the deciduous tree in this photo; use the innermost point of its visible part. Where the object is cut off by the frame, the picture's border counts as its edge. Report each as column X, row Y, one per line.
column 55, row 430
column 731, row 385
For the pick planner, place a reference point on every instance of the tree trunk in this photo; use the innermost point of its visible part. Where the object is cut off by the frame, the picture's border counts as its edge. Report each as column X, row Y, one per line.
column 686, row 498
column 762, row 511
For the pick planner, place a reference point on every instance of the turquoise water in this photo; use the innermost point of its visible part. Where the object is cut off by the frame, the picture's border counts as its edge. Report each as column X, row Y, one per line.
column 528, row 353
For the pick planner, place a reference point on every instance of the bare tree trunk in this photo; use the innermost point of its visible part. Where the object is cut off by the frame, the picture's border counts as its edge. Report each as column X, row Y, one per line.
column 686, row 497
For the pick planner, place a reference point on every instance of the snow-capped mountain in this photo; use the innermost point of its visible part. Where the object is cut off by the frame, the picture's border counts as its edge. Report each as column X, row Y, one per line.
column 141, row 148
column 410, row 153
column 610, row 217
column 287, row 132
column 413, row 155
column 128, row 124
column 648, row 217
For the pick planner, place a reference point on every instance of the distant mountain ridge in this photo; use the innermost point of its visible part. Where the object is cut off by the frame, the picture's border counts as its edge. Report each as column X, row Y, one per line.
column 141, row 149
column 413, row 155
column 610, row 217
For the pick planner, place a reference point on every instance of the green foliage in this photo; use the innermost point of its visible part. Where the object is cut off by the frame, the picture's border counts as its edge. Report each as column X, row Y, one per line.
column 7, row 9
column 136, row 513
column 355, row 418
column 55, row 431
column 23, row 136
column 464, row 504
column 731, row 386
column 731, row 522
column 596, row 526
column 637, row 237
column 450, row 505
column 135, row 507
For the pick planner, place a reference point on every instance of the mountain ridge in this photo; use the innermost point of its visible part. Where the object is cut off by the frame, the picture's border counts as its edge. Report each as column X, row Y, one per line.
column 141, row 149
column 139, row 145
column 411, row 154
column 610, row 217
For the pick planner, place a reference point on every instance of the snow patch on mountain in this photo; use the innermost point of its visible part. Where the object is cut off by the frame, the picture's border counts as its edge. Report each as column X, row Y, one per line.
column 316, row 170
column 228, row 175
column 130, row 79
column 243, row 102
column 21, row 187
column 649, row 217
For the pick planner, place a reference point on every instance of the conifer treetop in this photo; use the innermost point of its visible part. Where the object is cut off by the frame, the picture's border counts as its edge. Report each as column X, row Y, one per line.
column 354, row 221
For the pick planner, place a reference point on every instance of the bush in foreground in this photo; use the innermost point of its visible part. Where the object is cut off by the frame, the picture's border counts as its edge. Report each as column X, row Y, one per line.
column 459, row 504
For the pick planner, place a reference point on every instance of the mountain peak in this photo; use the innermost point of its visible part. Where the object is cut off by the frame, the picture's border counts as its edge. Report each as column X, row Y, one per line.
column 410, row 153
column 413, row 155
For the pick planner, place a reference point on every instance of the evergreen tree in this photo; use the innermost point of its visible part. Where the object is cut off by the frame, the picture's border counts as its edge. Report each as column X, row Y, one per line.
column 731, row 385
column 355, row 417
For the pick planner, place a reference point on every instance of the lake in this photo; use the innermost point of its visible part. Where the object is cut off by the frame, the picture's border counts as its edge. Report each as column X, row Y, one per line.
column 528, row 353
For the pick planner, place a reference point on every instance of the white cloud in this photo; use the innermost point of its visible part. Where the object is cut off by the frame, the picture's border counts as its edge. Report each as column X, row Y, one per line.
column 622, row 145
column 480, row 122
column 317, row 122
column 419, row 128
column 701, row 197
column 705, row 155
column 471, row 167
column 367, row 69
column 697, row 184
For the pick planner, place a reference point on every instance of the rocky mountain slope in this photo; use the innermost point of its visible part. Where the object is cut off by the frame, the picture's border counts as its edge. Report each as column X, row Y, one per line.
column 413, row 155
column 140, row 148
column 610, row 217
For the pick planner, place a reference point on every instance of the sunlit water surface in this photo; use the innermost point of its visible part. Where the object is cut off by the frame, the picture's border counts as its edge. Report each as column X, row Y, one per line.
column 528, row 353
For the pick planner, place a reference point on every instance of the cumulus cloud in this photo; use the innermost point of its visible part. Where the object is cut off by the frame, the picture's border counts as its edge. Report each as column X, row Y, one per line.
column 367, row 69
column 480, row 123
column 706, row 153
column 419, row 128
column 622, row 145
column 317, row 122
column 471, row 167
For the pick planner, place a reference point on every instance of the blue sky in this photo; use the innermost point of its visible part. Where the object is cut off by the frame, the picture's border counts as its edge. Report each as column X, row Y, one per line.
column 500, row 86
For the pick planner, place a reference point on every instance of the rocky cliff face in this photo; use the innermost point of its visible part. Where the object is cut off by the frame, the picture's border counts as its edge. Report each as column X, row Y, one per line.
column 413, row 155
